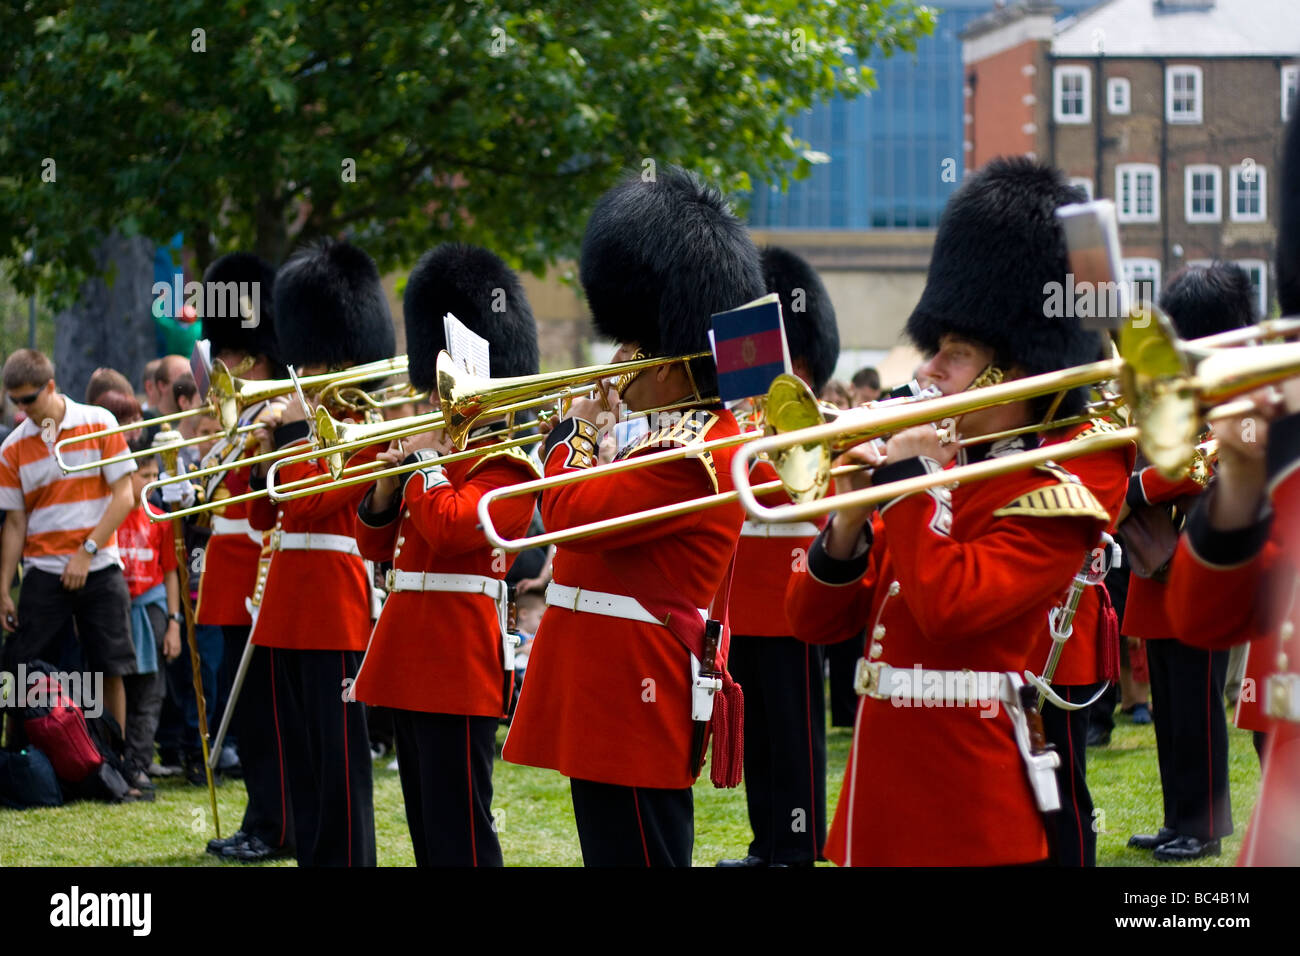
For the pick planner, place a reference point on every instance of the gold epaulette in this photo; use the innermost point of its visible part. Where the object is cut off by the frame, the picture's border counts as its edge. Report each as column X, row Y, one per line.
column 1068, row 498
column 690, row 428
column 513, row 452
column 1098, row 426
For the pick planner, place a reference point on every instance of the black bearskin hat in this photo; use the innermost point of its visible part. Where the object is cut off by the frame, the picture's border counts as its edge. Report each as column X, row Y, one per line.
column 998, row 247
column 1288, row 224
column 330, row 308
column 1209, row 300
column 659, row 258
column 806, row 309
column 228, row 331
column 485, row 294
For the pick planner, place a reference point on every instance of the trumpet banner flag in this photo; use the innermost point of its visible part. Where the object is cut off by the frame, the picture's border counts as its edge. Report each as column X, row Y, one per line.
column 749, row 347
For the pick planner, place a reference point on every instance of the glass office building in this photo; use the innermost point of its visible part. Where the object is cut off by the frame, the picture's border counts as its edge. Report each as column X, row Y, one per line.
column 888, row 151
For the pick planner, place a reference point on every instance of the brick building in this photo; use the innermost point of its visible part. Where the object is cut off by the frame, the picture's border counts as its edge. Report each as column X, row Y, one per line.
column 1172, row 108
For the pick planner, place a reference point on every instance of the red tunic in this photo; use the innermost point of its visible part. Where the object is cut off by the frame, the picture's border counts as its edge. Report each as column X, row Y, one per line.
column 1144, row 615
column 314, row 600
column 766, row 556
column 435, row 651
column 1106, row 475
column 609, row 699
column 1220, row 594
column 942, row 785
column 230, row 559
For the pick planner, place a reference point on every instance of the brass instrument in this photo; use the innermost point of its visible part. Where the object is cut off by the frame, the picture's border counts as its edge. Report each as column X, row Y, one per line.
column 227, row 398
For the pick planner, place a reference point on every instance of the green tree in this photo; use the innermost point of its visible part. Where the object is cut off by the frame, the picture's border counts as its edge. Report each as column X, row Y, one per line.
column 263, row 123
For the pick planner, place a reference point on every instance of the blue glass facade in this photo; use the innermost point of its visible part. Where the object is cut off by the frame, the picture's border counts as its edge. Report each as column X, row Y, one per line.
column 887, row 150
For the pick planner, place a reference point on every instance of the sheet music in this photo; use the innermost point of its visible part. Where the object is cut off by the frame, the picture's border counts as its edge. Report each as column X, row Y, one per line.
column 468, row 349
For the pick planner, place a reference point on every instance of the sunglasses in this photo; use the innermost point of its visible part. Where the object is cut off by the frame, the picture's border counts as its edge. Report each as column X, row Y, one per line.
column 25, row 400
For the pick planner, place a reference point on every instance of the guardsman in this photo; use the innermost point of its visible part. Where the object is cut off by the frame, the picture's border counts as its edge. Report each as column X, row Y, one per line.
column 246, row 343
column 609, row 699
column 1187, row 682
column 785, row 708
column 315, row 617
column 1234, row 577
column 956, row 584
column 441, row 655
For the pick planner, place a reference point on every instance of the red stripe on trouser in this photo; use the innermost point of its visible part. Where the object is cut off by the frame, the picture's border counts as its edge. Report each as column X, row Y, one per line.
column 812, row 773
column 469, row 781
column 279, row 752
column 1209, row 734
column 636, row 802
column 1074, row 796
column 347, row 763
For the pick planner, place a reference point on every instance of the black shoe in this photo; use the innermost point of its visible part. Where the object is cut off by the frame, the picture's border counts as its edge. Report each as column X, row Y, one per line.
column 1149, row 841
column 1187, row 848
column 750, row 860
column 216, row 847
column 1098, row 737
column 252, row 850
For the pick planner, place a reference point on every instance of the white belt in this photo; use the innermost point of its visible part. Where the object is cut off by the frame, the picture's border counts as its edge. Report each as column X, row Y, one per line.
column 779, row 529
column 312, row 541
column 601, row 602
column 1282, row 697
column 222, row 525
column 953, row 688
column 454, row 583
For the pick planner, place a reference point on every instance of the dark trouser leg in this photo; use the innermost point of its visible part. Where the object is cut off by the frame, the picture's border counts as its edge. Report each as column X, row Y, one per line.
column 210, row 642
column 1259, row 738
column 327, row 758
column 633, row 826
column 1102, row 713
column 1201, row 804
column 445, row 764
column 257, row 726
column 1076, row 840
column 1164, row 702
column 745, row 662
column 144, row 695
column 843, row 659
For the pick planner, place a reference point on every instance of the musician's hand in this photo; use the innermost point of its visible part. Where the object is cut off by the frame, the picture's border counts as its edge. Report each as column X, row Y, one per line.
column 386, row 488
column 920, row 440
column 435, row 439
column 847, row 522
column 267, row 420
column 1241, row 469
column 1291, row 394
column 293, row 412
column 180, row 494
column 602, row 414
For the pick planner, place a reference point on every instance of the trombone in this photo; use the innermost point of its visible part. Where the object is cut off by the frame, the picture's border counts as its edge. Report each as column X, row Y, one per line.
column 227, row 398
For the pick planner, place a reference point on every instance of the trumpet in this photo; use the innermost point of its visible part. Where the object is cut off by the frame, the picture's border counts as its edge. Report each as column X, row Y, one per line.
column 227, row 398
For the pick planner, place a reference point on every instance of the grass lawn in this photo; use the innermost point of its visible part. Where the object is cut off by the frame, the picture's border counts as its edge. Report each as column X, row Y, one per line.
column 535, row 819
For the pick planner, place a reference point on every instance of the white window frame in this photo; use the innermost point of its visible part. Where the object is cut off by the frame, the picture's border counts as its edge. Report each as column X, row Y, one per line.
column 1261, row 180
column 1134, row 169
column 1290, row 89
column 1261, row 296
column 1060, row 73
column 1199, row 106
column 1151, row 270
column 1202, row 169
column 1114, row 84
column 1084, row 183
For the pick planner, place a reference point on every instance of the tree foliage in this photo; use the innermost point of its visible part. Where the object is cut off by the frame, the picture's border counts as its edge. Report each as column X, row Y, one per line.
column 495, row 122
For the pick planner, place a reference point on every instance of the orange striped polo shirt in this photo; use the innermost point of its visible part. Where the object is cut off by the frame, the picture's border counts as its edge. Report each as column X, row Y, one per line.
column 62, row 509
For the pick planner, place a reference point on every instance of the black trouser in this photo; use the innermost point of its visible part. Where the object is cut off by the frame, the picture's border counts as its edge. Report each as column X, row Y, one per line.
column 1075, row 839
column 101, row 609
column 255, row 727
column 843, row 658
column 445, row 764
column 785, row 745
column 633, row 826
column 1191, row 737
column 326, row 757
column 144, row 698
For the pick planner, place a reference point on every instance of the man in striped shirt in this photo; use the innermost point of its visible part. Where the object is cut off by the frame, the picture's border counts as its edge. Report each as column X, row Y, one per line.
column 64, row 526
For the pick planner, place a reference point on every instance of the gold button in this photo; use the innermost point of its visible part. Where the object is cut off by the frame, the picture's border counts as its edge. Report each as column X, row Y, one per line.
column 878, row 632
column 876, row 650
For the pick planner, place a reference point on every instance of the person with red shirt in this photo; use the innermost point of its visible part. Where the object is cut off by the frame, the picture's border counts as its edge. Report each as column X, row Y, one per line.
column 1187, row 682
column 956, row 584
column 785, row 709
column 448, row 686
column 149, row 567
column 315, row 616
column 609, row 699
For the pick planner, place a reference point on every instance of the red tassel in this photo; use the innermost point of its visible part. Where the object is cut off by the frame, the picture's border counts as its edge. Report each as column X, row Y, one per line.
column 1108, row 646
column 728, row 735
